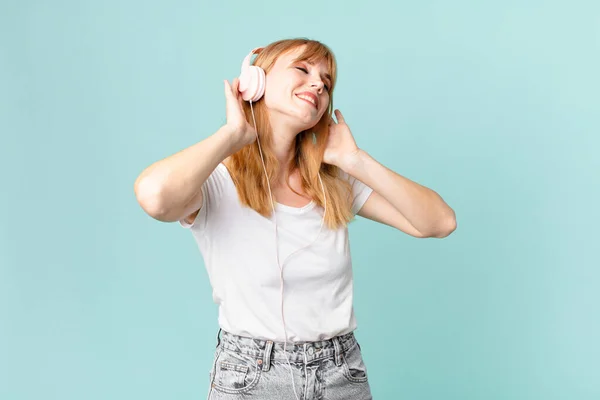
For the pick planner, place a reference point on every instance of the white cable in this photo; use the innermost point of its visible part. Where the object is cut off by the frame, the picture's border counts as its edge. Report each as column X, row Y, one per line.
column 276, row 247
column 305, row 373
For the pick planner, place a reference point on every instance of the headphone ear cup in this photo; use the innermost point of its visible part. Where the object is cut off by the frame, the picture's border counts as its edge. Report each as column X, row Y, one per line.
column 252, row 80
column 252, row 84
column 259, row 84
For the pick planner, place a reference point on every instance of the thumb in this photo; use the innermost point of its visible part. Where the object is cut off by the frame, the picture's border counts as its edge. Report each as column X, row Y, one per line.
column 236, row 85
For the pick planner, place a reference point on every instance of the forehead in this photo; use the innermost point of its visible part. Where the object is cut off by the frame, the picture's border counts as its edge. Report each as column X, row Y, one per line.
column 297, row 54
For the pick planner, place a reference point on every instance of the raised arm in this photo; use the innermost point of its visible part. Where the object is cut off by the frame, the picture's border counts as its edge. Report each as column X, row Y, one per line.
column 170, row 189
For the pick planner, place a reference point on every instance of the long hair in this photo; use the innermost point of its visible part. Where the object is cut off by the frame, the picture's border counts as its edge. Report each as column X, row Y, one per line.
column 245, row 165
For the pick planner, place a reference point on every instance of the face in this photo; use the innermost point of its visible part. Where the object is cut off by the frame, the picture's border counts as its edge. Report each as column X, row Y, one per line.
column 297, row 91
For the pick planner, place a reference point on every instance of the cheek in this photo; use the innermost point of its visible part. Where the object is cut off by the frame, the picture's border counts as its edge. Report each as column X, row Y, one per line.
column 270, row 97
column 324, row 104
column 273, row 91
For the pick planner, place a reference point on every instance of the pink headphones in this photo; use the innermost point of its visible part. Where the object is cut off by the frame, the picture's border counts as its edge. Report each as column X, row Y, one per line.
column 252, row 80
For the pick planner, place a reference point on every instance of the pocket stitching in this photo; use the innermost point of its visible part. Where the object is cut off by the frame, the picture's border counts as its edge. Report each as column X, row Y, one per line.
column 244, row 389
column 234, row 367
column 347, row 369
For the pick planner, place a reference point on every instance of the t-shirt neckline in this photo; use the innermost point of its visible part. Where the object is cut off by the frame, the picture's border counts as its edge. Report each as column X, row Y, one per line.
column 295, row 210
column 279, row 206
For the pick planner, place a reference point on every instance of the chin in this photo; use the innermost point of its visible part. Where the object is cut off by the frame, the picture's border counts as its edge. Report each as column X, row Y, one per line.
column 300, row 119
column 307, row 117
column 307, row 120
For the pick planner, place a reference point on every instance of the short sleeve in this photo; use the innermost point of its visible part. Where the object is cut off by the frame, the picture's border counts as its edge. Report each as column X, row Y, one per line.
column 212, row 191
column 360, row 191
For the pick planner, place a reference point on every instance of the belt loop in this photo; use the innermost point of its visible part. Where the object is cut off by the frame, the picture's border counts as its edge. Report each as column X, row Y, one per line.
column 337, row 349
column 267, row 356
column 218, row 338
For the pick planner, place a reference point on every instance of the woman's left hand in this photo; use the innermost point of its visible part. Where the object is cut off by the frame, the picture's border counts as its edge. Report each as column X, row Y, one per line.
column 341, row 149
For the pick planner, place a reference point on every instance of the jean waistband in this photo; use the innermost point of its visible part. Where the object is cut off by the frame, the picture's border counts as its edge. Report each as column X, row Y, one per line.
column 297, row 352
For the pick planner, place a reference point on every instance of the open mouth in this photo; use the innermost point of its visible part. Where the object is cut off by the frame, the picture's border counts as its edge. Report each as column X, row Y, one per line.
column 308, row 98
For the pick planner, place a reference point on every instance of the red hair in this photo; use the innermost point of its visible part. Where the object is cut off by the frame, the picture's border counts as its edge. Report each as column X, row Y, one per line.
column 245, row 166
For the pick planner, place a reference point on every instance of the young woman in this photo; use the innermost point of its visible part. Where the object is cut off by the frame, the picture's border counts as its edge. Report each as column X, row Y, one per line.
column 276, row 249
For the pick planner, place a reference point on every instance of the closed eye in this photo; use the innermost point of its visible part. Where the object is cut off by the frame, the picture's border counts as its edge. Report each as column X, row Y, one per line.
column 306, row 72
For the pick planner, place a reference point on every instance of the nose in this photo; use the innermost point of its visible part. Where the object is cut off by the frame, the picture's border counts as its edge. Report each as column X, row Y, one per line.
column 319, row 85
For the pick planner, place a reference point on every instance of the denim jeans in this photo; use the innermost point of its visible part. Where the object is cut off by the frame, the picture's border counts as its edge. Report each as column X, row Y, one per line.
column 246, row 368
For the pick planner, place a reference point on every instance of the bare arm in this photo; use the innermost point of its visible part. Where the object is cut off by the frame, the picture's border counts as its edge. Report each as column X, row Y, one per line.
column 400, row 202
column 171, row 189
column 397, row 201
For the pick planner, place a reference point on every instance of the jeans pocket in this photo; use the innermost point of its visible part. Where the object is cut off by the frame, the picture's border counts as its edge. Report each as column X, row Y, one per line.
column 235, row 373
column 355, row 369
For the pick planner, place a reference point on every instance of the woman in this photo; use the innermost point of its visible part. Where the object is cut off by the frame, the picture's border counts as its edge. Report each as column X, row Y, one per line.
column 259, row 236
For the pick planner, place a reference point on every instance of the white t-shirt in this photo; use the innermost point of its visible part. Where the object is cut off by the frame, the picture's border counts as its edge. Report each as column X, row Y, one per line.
column 238, row 248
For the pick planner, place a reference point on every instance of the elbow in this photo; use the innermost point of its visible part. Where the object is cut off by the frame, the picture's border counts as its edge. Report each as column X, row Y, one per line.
column 147, row 194
column 445, row 228
column 448, row 227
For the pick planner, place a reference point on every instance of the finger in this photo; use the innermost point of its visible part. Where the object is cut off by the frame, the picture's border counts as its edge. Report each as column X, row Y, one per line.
column 339, row 116
column 231, row 91
column 228, row 91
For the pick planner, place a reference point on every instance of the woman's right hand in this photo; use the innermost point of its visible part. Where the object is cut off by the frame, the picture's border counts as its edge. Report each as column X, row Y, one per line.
column 241, row 130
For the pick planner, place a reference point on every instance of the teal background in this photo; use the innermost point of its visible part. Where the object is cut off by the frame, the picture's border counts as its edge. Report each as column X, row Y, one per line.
column 494, row 105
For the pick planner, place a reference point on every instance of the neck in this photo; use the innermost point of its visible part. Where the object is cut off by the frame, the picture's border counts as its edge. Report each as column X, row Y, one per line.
column 283, row 141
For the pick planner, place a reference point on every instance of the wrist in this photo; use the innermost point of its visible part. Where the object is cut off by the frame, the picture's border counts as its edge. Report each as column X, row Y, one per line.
column 353, row 161
column 231, row 139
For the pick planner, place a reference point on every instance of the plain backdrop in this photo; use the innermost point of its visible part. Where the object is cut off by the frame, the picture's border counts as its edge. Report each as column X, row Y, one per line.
column 493, row 104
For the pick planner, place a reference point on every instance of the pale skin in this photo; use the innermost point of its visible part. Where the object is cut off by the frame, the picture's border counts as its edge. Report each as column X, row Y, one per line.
column 296, row 96
column 396, row 201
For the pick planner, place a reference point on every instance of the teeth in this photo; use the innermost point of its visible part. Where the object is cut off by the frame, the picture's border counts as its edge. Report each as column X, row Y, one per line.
column 307, row 98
